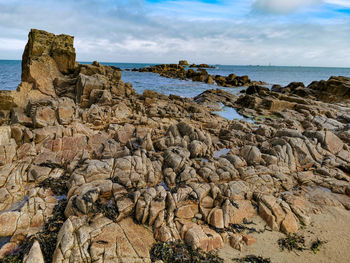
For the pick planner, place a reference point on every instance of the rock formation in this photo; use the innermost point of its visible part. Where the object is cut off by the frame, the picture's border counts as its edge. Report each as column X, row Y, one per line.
column 183, row 63
column 336, row 89
column 177, row 71
column 90, row 171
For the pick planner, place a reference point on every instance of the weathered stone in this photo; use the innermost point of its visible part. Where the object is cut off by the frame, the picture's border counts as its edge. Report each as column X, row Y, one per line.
column 197, row 237
column 35, row 255
column 44, row 116
column 251, row 154
column 216, row 218
column 187, row 211
column 125, row 133
column 8, row 223
column 45, row 58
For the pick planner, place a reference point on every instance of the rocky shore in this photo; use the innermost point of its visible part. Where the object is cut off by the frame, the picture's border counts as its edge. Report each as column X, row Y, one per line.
column 90, row 171
column 178, row 71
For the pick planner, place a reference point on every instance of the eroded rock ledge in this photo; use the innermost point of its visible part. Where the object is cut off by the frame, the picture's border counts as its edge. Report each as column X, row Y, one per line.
column 135, row 169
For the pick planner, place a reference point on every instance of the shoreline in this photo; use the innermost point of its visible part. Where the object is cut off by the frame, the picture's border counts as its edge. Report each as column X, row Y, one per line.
column 102, row 173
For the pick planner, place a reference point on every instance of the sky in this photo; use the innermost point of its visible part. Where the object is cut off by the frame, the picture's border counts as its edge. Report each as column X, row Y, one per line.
column 231, row 32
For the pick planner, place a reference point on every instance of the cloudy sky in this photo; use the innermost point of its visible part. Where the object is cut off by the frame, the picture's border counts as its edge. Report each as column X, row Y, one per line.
column 235, row 32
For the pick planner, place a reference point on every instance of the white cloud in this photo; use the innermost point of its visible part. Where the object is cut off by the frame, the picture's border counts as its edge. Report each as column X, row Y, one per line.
column 131, row 31
column 11, row 44
column 283, row 6
column 344, row 3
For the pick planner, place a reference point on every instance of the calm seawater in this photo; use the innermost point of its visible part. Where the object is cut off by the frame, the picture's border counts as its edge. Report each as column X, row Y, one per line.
column 10, row 75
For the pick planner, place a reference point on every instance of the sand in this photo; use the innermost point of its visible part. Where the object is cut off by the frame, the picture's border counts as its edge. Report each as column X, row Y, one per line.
column 333, row 226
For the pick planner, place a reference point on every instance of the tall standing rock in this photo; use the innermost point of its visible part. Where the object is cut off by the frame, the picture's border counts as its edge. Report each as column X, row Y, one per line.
column 46, row 57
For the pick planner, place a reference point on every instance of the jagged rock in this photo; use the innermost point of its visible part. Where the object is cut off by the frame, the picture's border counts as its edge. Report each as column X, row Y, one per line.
column 202, row 237
column 216, row 218
column 251, row 154
column 101, row 239
column 332, row 90
column 35, row 255
column 6, row 100
column 137, row 171
column 125, row 133
column 45, row 58
column 176, row 157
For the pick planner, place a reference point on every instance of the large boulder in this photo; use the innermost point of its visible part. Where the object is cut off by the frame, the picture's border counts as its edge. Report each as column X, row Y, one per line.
column 46, row 57
column 333, row 90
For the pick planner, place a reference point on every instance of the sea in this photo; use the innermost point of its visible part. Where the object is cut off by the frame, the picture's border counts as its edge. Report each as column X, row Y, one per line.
column 10, row 76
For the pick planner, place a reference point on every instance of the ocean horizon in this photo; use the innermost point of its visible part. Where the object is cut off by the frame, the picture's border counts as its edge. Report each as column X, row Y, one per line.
column 10, row 76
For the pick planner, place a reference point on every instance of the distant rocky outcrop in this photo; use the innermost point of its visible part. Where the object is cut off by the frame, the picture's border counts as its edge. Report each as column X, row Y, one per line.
column 90, row 171
column 183, row 63
column 201, row 66
column 177, row 71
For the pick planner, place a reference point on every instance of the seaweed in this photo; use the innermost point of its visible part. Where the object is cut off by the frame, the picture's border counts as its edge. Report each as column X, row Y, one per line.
column 292, row 242
column 253, row 259
column 108, row 210
column 57, row 185
column 179, row 252
column 239, row 228
column 316, row 245
column 47, row 237
column 16, row 258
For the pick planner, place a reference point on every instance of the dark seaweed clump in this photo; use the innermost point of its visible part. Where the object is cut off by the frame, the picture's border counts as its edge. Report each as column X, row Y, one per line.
column 16, row 258
column 179, row 252
column 108, row 210
column 239, row 228
column 57, row 185
column 316, row 245
column 252, row 259
column 48, row 237
column 292, row 242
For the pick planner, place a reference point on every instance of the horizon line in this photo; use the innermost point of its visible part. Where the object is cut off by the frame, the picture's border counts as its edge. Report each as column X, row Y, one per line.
column 235, row 65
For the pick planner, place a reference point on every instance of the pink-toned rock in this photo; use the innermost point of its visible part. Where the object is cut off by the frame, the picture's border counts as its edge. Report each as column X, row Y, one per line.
column 269, row 218
column 249, row 240
column 216, row 218
column 290, row 224
column 125, row 133
column 65, row 115
column 245, row 210
column 44, row 116
column 8, row 223
column 187, row 211
column 333, row 143
column 162, row 234
column 203, row 238
column 7, row 249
